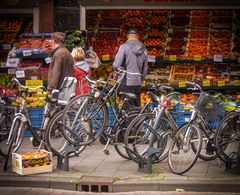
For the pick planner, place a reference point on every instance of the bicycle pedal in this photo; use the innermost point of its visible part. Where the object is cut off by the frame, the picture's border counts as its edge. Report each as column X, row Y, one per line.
column 106, row 152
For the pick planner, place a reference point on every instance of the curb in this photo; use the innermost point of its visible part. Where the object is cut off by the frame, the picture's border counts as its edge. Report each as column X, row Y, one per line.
column 74, row 184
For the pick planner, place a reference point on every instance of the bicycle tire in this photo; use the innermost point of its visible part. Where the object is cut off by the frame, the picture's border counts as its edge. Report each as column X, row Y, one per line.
column 119, row 137
column 84, row 119
column 11, row 144
column 137, row 137
column 181, row 159
column 207, row 152
column 55, row 139
column 4, row 128
column 227, row 136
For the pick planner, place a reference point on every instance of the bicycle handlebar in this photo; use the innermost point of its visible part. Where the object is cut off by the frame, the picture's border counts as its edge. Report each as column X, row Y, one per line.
column 195, row 86
column 14, row 80
column 124, row 71
column 96, row 81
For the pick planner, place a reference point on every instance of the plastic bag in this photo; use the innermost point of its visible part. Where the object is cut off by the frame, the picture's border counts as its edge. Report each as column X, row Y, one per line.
column 12, row 61
column 92, row 59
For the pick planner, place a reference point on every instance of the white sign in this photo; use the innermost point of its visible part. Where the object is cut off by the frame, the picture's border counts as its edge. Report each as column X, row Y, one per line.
column 12, row 61
column 217, row 58
column 20, row 74
column 27, row 53
column 151, row 58
column 6, row 46
column 48, row 60
column 11, row 71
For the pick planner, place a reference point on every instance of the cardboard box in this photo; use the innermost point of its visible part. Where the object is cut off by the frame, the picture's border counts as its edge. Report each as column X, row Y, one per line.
column 32, row 162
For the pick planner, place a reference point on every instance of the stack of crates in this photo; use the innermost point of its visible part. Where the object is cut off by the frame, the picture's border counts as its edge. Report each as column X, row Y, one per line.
column 36, row 116
column 182, row 116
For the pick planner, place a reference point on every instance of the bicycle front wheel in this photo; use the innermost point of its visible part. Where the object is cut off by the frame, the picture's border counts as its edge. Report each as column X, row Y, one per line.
column 227, row 138
column 84, row 119
column 55, row 138
column 181, row 156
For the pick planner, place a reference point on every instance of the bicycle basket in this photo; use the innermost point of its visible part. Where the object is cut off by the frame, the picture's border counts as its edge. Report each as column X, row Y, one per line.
column 113, row 82
column 209, row 106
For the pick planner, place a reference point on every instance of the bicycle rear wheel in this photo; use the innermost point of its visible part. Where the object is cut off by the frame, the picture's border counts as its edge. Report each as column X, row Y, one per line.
column 120, row 133
column 138, row 136
column 227, row 138
column 84, row 119
column 181, row 156
column 15, row 142
column 55, row 138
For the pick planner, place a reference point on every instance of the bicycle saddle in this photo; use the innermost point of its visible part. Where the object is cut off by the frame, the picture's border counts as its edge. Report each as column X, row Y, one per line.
column 129, row 95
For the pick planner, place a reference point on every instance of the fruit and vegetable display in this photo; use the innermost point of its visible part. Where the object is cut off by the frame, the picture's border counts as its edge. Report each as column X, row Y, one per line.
column 37, row 99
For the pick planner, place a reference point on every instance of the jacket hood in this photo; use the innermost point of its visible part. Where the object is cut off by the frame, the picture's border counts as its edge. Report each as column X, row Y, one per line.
column 136, row 46
column 82, row 65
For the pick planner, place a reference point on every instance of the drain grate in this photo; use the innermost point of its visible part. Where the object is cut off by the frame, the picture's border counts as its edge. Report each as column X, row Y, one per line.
column 95, row 184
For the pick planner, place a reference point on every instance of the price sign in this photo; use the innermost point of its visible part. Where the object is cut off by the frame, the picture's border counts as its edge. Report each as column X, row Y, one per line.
column 11, row 71
column 172, row 58
column 34, row 83
column 151, row 58
column 27, row 53
column 182, row 84
column 169, row 39
column 197, row 58
column 20, row 74
column 236, row 82
column 106, row 57
column 48, row 60
column 221, row 83
column 206, row 83
column 6, row 46
column 217, row 58
column 170, row 30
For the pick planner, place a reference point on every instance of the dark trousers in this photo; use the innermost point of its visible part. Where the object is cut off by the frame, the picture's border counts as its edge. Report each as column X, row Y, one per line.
column 136, row 89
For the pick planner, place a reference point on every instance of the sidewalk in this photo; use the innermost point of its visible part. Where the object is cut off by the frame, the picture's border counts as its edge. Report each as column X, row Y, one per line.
column 95, row 172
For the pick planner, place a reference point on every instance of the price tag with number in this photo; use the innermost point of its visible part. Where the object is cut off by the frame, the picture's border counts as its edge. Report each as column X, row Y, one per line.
column 221, row 83
column 197, row 57
column 217, row 58
column 151, row 58
column 48, row 60
column 206, row 83
column 27, row 53
column 172, row 58
column 106, row 57
column 182, row 84
column 20, row 74
column 236, row 82
column 11, row 71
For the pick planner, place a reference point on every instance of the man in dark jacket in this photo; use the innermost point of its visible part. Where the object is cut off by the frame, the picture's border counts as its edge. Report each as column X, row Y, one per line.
column 61, row 65
column 132, row 57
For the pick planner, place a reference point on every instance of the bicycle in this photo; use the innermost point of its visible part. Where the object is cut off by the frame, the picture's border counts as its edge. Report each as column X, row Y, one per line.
column 6, row 116
column 147, row 134
column 89, row 115
column 194, row 139
column 227, row 138
column 42, row 136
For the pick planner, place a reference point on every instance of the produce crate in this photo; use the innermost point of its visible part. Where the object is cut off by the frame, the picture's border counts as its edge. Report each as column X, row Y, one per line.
column 182, row 117
column 32, row 162
column 36, row 116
